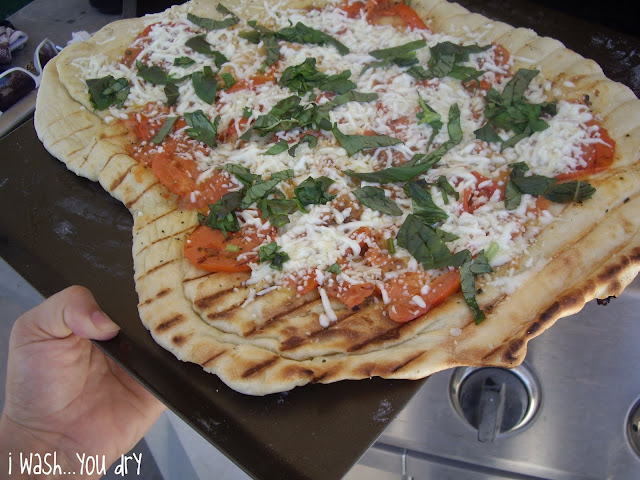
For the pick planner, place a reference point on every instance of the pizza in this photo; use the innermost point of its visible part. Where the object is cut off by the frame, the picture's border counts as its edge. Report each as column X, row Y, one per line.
column 339, row 189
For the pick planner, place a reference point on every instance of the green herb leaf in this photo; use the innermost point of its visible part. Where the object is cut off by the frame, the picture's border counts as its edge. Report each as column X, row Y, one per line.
column 313, row 191
column 201, row 128
column 355, row 143
column 445, row 59
column 375, row 199
column 273, row 51
column 205, row 85
column 172, row 92
column 279, row 147
column 246, row 112
column 107, row 91
column 300, row 33
column 212, row 24
column 312, row 140
column 277, row 210
column 402, row 55
column 428, row 115
column 183, row 62
column 262, row 188
column 425, row 244
column 164, row 130
column 302, row 78
column 446, row 188
column 228, row 79
column 338, row 83
column 468, row 270
column 272, row 252
column 199, row 44
column 335, row 268
column 423, row 205
column 241, row 173
column 391, row 246
column 574, row 191
column 221, row 214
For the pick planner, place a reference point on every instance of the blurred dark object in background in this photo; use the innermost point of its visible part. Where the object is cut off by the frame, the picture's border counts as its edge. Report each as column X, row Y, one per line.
column 107, row 6
column 153, row 6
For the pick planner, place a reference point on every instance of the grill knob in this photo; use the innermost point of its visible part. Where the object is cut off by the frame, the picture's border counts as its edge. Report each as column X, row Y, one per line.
column 494, row 400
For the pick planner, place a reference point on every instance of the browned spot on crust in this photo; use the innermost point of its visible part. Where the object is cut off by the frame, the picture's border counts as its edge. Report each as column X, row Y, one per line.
column 179, row 340
column 160, row 216
column 132, row 202
column 213, row 358
column 107, row 162
column 226, row 313
column 324, row 376
column 165, row 238
column 366, row 370
column 258, row 367
column 296, row 371
column 286, row 310
column 534, row 327
column 513, row 347
column 160, row 294
column 156, row 268
column 170, row 323
column 406, row 362
column 291, row 342
column 118, row 181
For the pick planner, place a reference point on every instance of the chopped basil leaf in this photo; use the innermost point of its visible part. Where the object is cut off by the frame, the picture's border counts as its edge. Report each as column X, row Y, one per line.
column 241, row 173
column 212, row 24
column 335, row 268
column 262, row 188
column 446, row 188
column 312, row 140
column 164, row 130
column 277, row 210
column 272, row 252
column 428, row 115
column 338, row 83
column 313, row 191
column 511, row 112
column 152, row 74
column 468, row 270
column 301, row 78
column 350, row 96
column 574, row 191
column 201, row 127
column 205, row 85
column 402, row 55
column 107, row 91
column 172, row 93
column 538, row 185
column 445, row 59
column 273, row 51
column 246, row 112
column 391, row 246
column 425, row 244
column 183, row 62
column 423, row 205
column 494, row 248
column 279, row 147
column 300, row 33
column 199, row 44
column 375, row 199
column 355, row 143
column 221, row 214
column 228, row 79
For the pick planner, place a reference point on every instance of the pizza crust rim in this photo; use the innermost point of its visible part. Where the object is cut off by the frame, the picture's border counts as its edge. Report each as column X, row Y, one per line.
column 89, row 148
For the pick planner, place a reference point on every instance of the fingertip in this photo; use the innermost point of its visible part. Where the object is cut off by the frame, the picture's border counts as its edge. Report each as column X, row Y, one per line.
column 106, row 327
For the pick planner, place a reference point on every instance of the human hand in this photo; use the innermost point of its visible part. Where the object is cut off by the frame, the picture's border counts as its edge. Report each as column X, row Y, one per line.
column 63, row 394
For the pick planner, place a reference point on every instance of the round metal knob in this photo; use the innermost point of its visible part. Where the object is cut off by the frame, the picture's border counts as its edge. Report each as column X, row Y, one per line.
column 633, row 427
column 495, row 400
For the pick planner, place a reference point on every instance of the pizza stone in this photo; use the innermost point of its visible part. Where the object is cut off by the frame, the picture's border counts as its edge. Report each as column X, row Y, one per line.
column 275, row 342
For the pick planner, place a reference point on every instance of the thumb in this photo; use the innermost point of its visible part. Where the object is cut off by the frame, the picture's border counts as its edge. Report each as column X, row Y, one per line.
column 74, row 310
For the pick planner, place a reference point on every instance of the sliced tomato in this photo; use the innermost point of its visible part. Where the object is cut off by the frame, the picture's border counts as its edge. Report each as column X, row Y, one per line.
column 385, row 12
column 302, row 283
column 210, row 250
column 472, row 199
column 403, row 290
column 256, row 79
column 231, row 132
column 351, row 295
column 598, row 156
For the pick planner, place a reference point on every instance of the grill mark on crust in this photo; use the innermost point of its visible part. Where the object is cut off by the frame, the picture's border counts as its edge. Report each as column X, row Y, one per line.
column 258, row 367
column 156, row 268
column 71, row 135
column 222, row 313
column 205, row 302
column 187, row 280
column 159, row 217
column 164, row 238
column 213, row 358
column 132, row 202
column 160, row 294
column 406, row 362
column 390, row 334
column 118, row 181
column 86, row 158
column 107, row 162
column 276, row 318
column 170, row 323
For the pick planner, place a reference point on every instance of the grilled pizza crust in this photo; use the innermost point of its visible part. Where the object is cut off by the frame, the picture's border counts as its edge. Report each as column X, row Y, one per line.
column 275, row 342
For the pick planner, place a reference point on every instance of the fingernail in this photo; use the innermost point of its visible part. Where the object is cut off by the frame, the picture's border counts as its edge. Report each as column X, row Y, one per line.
column 103, row 322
